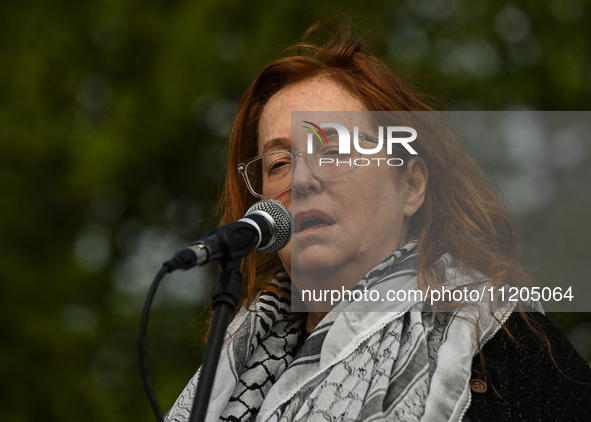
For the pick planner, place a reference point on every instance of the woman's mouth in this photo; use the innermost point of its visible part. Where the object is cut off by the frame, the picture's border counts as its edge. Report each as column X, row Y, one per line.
column 314, row 223
column 312, row 220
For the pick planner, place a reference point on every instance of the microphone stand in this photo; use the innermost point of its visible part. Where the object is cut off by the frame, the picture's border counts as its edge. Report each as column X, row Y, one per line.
column 226, row 296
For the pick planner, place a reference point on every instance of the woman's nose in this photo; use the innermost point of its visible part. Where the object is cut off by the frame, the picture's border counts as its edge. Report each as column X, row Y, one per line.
column 303, row 179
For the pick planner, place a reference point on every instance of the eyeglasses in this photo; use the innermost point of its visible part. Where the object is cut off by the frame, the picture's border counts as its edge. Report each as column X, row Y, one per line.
column 270, row 174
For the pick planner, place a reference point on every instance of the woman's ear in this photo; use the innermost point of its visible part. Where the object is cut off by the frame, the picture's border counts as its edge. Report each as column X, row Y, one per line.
column 416, row 177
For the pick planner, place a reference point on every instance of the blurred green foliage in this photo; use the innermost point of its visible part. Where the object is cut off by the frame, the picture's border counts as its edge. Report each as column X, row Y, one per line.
column 113, row 120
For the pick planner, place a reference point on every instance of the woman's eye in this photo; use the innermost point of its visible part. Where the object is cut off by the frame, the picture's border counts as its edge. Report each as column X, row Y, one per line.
column 278, row 164
column 329, row 151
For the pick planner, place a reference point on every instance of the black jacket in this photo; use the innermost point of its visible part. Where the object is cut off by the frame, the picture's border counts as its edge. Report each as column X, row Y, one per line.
column 530, row 387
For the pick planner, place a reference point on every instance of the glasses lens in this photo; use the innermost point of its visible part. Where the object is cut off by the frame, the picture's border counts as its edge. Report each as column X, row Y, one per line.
column 270, row 173
column 328, row 161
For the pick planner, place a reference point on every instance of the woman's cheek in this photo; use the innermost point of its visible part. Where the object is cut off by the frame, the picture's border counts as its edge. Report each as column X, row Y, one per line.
column 285, row 199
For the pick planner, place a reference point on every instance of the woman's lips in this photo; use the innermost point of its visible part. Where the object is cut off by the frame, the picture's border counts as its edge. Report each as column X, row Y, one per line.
column 312, row 221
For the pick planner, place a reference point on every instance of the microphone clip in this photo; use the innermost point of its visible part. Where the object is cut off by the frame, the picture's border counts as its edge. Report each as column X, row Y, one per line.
column 228, row 243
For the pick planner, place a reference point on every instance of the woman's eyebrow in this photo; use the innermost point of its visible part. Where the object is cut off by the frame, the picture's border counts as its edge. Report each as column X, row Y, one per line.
column 330, row 131
column 275, row 143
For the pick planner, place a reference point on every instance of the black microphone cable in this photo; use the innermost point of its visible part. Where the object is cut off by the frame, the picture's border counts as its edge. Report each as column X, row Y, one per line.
column 142, row 350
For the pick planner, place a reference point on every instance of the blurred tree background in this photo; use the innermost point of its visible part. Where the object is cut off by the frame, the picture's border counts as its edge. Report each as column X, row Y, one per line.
column 114, row 116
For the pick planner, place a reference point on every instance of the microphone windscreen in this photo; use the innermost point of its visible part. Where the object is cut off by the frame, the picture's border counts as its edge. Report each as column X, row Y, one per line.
column 279, row 218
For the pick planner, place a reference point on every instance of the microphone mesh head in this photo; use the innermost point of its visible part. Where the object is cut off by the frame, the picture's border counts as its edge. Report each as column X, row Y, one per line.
column 282, row 220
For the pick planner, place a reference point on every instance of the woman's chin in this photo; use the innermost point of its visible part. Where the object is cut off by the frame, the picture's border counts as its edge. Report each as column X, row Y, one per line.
column 312, row 263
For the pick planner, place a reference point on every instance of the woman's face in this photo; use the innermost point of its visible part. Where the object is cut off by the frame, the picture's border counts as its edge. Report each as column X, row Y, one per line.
column 366, row 210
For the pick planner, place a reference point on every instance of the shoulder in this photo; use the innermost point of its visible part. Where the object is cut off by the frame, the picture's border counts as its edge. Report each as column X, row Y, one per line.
column 527, row 380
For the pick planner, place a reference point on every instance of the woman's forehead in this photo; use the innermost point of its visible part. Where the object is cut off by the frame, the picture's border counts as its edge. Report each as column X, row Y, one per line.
column 312, row 95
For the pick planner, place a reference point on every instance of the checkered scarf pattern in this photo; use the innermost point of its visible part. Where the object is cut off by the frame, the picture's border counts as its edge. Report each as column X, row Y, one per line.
column 363, row 362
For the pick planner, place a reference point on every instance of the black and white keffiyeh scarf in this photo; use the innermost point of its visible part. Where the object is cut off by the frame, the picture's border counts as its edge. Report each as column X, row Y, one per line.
column 363, row 362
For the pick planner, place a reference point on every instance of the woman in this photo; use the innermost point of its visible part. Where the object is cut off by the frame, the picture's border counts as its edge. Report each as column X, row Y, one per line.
column 345, row 362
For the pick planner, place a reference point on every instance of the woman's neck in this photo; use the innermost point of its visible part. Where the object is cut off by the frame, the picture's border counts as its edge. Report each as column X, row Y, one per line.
column 313, row 320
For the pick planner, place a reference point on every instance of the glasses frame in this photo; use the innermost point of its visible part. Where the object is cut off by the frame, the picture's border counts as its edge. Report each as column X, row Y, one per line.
column 242, row 166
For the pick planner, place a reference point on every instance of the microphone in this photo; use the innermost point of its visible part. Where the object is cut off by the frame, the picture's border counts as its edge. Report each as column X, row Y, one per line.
column 267, row 226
